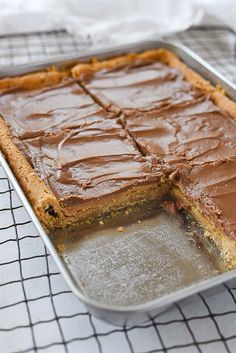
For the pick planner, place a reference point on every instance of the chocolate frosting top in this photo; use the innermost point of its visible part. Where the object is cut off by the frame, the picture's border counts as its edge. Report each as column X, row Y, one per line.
column 196, row 132
column 199, row 141
column 90, row 162
column 49, row 109
column 82, row 154
column 142, row 85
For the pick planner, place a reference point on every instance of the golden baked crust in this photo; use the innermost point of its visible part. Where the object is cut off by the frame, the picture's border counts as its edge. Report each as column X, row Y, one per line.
column 31, row 81
column 41, row 198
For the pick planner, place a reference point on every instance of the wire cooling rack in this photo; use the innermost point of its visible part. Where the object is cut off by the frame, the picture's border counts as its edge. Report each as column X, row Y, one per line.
column 37, row 311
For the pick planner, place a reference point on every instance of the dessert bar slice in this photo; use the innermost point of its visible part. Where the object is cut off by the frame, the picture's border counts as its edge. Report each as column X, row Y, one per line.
column 48, row 108
column 91, row 171
column 138, row 82
column 73, row 159
column 208, row 191
column 154, row 79
column 197, row 132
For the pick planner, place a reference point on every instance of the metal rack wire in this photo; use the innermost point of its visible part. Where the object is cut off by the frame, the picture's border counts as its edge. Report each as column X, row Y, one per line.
column 37, row 311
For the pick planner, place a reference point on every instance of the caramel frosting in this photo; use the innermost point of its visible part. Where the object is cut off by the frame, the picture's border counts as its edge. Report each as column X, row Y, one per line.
column 140, row 85
column 90, row 162
column 31, row 113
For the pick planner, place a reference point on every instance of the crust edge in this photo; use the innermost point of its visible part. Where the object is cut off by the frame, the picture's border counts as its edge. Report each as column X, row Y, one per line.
column 32, row 81
column 41, row 198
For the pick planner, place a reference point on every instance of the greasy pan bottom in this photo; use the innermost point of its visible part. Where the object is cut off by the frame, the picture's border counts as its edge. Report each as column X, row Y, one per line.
column 136, row 258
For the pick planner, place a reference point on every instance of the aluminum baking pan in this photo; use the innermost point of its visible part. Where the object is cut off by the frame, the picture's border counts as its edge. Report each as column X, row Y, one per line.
column 128, row 276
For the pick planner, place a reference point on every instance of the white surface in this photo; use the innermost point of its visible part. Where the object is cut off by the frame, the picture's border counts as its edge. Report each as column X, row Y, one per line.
column 25, row 23
column 117, row 21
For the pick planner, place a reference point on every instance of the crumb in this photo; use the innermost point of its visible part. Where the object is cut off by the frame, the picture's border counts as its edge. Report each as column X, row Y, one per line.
column 60, row 248
column 139, row 221
column 120, row 229
column 128, row 211
column 169, row 206
column 101, row 223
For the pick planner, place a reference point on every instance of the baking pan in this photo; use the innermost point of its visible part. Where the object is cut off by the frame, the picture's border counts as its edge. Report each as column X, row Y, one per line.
column 129, row 269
